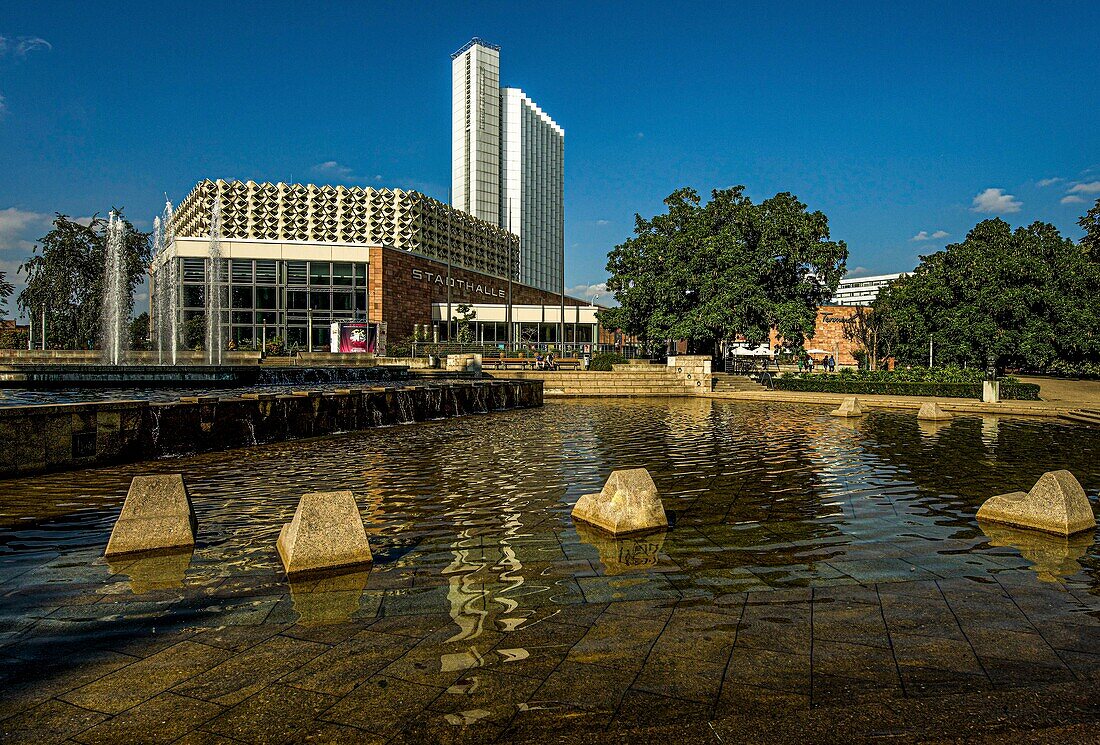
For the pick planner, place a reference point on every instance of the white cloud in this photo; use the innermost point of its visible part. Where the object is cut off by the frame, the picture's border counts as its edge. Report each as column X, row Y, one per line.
column 859, row 271
column 17, row 225
column 996, row 202
column 21, row 46
column 1048, row 181
column 1092, row 187
column 587, row 291
column 1072, row 199
column 332, row 169
column 603, row 222
column 925, row 236
column 640, row 136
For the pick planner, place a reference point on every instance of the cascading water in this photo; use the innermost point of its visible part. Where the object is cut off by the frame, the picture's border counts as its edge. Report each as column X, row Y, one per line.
column 160, row 294
column 172, row 277
column 115, row 305
column 214, row 272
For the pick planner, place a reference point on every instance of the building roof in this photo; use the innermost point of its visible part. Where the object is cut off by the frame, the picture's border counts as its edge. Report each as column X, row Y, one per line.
column 477, row 41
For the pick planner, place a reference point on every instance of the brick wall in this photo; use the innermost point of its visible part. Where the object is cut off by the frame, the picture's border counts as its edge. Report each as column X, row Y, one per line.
column 829, row 334
column 403, row 287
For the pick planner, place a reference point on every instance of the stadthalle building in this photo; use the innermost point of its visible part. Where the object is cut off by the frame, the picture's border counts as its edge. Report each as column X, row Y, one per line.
column 299, row 257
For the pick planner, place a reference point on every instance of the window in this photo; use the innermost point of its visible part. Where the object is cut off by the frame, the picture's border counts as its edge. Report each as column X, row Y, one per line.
column 194, row 296
column 319, row 273
column 242, row 297
column 297, row 299
column 342, row 301
column 241, row 270
column 194, row 270
column 319, row 300
column 342, row 275
column 266, row 297
column 265, row 272
column 244, row 317
column 296, row 273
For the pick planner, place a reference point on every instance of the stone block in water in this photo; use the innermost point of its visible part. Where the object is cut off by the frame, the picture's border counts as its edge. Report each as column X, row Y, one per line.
column 930, row 411
column 850, row 407
column 157, row 516
column 628, row 503
column 1056, row 504
column 328, row 598
column 326, row 534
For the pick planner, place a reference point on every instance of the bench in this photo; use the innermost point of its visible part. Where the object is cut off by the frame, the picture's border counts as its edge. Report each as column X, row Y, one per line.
column 521, row 362
column 570, row 362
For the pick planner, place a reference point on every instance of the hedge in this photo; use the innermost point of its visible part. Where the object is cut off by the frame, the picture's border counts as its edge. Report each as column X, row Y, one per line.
column 1016, row 391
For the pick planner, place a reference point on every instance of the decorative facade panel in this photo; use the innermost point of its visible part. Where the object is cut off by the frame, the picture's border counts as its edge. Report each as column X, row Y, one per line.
column 406, row 220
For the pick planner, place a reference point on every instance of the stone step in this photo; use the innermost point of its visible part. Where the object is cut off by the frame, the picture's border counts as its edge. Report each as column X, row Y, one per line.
column 1083, row 416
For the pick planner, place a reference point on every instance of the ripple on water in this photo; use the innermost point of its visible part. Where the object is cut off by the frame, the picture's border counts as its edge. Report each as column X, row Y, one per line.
column 470, row 517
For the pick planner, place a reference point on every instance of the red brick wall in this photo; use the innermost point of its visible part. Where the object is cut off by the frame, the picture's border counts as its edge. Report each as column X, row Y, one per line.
column 401, row 297
column 829, row 334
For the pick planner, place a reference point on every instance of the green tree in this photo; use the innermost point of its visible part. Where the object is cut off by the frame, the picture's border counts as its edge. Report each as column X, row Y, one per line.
column 465, row 315
column 194, row 333
column 725, row 269
column 875, row 332
column 138, row 335
column 1027, row 297
column 6, row 289
column 1090, row 222
column 65, row 275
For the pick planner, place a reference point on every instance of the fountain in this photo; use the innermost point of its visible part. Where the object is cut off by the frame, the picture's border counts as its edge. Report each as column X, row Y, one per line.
column 214, row 304
column 167, row 287
column 115, row 293
column 173, row 276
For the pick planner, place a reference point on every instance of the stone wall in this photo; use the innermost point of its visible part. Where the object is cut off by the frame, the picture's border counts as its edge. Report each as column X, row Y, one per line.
column 829, row 334
column 60, row 437
column 694, row 370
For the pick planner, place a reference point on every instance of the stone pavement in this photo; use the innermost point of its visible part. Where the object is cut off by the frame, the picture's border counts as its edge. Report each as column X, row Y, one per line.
column 908, row 661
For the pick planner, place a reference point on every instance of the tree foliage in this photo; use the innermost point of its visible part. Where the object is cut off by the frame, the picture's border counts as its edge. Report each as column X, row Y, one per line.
column 724, row 269
column 1027, row 297
column 1090, row 222
column 65, row 274
column 875, row 332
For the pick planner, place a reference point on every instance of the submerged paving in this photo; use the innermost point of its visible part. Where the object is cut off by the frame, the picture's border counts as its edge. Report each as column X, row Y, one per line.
column 821, row 580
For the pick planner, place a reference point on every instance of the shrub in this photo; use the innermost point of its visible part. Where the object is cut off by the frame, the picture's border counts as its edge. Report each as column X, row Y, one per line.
column 604, row 360
column 855, row 385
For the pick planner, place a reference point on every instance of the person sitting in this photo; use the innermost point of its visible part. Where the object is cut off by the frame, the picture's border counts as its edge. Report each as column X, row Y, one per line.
column 550, row 361
column 540, row 364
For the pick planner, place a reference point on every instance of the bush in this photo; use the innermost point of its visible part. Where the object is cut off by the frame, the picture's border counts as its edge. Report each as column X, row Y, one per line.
column 855, row 385
column 948, row 374
column 604, row 360
column 1090, row 370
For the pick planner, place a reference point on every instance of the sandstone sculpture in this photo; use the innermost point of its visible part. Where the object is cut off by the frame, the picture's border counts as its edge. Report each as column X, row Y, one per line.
column 326, row 533
column 1056, row 504
column 156, row 516
column 930, row 411
column 850, row 407
column 628, row 503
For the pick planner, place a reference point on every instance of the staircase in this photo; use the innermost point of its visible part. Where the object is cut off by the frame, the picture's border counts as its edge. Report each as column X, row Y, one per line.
column 637, row 380
column 1083, row 416
column 724, row 383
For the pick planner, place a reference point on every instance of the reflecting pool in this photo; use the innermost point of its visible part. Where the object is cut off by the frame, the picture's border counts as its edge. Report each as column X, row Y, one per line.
column 811, row 564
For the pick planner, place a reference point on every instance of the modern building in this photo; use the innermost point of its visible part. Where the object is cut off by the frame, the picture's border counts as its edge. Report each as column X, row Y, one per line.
column 862, row 290
column 508, row 163
column 297, row 258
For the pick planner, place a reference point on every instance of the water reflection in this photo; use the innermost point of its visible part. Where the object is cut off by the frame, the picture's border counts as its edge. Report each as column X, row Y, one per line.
column 931, row 429
column 152, row 572
column 328, row 599
column 619, row 555
column 1053, row 558
column 470, row 519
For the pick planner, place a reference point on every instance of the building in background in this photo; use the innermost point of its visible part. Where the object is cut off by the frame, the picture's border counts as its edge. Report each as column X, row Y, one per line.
column 862, row 290
column 298, row 258
column 508, row 163
column 475, row 130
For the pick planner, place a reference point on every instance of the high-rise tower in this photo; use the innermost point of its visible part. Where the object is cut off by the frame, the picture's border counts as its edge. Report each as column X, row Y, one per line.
column 508, row 160
column 475, row 130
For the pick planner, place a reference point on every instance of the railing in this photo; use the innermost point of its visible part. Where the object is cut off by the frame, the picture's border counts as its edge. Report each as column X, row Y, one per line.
column 570, row 349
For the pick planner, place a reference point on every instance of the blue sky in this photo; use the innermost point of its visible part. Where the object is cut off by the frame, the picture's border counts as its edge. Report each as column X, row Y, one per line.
column 898, row 120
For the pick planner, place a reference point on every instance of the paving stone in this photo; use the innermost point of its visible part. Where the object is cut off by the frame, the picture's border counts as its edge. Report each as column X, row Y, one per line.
column 381, row 705
column 274, row 714
column 161, row 719
column 146, row 678
column 343, row 667
column 681, row 678
column 52, row 721
column 248, row 672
